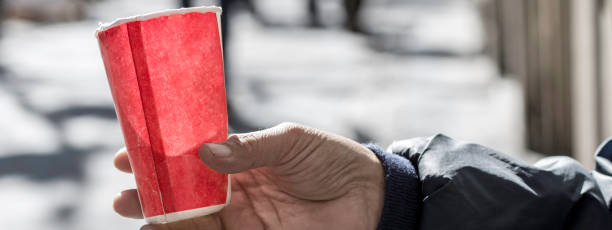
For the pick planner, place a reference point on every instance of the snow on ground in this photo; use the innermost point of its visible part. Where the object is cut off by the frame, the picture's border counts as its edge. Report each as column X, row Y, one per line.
column 59, row 130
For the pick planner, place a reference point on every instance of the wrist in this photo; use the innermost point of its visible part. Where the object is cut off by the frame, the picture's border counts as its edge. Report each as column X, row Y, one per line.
column 375, row 188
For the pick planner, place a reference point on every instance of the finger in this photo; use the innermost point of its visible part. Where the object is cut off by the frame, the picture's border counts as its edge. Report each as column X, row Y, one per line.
column 127, row 204
column 269, row 147
column 122, row 161
column 210, row 222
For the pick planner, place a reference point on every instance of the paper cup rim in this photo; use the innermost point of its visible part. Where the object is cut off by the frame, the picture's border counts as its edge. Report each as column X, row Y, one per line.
column 156, row 14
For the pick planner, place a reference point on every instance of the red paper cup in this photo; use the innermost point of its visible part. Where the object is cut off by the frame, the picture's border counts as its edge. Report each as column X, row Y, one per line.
column 165, row 71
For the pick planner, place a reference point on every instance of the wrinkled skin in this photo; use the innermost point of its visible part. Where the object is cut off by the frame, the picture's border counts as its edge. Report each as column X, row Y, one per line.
column 285, row 177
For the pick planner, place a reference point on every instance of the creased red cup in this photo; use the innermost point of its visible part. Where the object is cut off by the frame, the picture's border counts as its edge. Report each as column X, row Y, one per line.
column 165, row 71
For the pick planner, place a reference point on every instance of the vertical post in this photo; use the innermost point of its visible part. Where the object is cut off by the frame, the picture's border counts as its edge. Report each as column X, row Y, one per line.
column 562, row 84
column 547, row 81
column 544, row 72
column 584, row 80
column 605, row 63
column 531, row 83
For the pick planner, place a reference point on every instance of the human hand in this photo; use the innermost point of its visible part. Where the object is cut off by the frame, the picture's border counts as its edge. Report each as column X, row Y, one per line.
column 285, row 177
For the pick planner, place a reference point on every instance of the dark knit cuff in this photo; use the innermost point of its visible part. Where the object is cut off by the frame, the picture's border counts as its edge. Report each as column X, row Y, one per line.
column 401, row 205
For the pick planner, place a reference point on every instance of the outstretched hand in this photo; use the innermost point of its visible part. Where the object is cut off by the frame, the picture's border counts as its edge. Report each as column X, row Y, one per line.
column 285, row 177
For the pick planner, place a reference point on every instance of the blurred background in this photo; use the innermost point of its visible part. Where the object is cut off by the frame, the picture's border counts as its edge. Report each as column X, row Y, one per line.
column 528, row 77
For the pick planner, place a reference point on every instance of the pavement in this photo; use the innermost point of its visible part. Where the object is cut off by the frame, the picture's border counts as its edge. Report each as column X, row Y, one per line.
column 60, row 131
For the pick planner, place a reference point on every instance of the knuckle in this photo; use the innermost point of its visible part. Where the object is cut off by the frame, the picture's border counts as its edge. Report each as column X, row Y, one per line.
column 244, row 142
column 249, row 141
column 291, row 128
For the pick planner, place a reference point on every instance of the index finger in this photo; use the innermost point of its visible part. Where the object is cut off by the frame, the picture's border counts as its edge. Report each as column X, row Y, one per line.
column 122, row 161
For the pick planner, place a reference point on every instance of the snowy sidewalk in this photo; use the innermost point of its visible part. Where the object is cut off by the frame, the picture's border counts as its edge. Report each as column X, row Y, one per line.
column 60, row 131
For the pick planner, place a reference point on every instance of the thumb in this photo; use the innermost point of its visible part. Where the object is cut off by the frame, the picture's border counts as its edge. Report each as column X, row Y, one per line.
column 270, row 147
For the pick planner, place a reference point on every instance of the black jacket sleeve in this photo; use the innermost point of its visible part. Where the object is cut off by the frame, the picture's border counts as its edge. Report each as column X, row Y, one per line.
column 468, row 186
